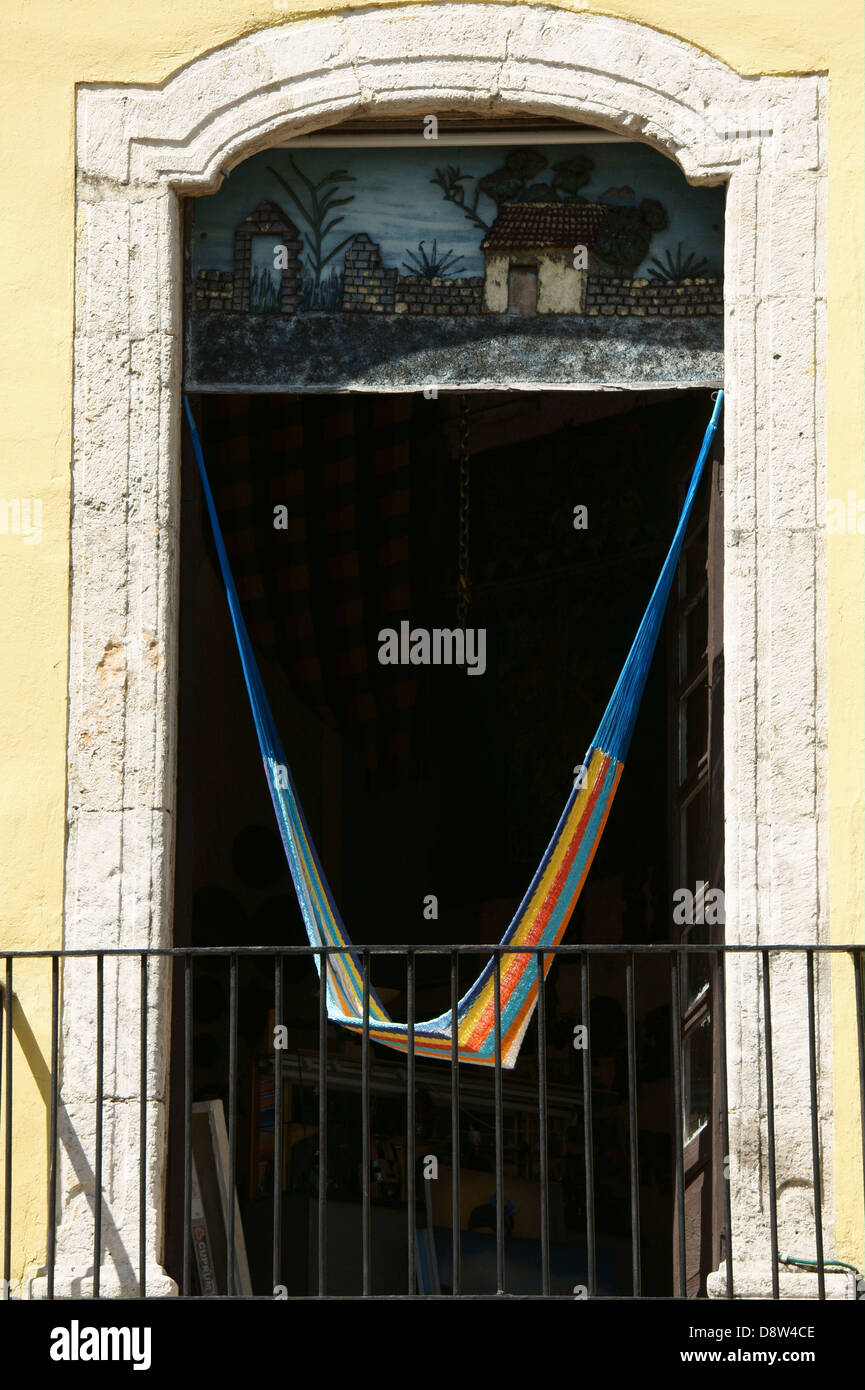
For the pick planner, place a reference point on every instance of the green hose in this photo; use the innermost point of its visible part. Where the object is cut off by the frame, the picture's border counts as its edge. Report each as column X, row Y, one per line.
column 814, row 1264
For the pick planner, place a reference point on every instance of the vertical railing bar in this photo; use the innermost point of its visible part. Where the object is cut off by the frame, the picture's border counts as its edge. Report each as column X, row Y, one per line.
column 588, row 1131
column 815, row 1128
column 97, row 1162
column 678, row 1124
column 7, row 1193
column 322, row 1129
column 499, row 1120
column 232, row 1121
column 410, row 1125
column 858, row 958
column 142, row 1136
column 770, row 1125
column 725, row 1118
column 187, row 1125
column 543, row 1135
column 276, row 1253
column 633, row 1134
column 53, row 1136
column 365, row 1153
column 456, row 1240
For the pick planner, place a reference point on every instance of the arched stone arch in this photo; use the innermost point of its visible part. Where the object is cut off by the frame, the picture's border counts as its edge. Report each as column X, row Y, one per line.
column 294, row 78
column 138, row 149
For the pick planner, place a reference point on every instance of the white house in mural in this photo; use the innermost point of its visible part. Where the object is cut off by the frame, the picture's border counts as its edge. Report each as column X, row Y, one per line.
column 531, row 265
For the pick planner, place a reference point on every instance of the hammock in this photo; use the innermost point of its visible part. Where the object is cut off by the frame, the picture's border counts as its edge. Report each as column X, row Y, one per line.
column 543, row 914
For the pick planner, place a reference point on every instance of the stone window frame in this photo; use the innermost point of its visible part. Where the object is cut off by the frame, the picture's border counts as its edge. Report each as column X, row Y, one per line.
column 141, row 149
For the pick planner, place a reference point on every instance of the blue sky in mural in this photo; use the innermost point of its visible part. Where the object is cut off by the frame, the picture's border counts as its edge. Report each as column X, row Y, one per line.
column 395, row 202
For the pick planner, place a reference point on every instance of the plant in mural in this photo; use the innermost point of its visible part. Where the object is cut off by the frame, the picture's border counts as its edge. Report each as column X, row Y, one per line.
column 513, row 182
column 263, row 292
column 326, row 297
column 623, row 238
column 433, row 265
column 678, row 267
column 323, row 199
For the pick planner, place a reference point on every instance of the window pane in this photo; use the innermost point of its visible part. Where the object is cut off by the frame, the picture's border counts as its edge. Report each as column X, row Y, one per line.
column 695, row 966
column 693, row 731
column 694, row 637
column 693, row 571
column 697, row 1077
column 695, row 838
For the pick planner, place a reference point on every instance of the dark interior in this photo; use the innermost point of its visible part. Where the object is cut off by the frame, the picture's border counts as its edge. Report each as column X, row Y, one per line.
column 425, row 780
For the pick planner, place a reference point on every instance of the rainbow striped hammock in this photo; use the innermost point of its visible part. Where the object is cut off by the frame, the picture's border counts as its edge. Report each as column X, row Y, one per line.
column 544, row 912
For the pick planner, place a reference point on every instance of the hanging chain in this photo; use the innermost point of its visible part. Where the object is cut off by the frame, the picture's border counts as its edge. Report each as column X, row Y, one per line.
column 464, row 584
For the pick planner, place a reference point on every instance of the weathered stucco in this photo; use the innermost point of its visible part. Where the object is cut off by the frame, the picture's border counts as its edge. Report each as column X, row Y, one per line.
column 561, row 287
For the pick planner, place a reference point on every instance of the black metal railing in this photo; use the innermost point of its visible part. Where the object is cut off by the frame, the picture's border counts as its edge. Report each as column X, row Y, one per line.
column 602, row 1082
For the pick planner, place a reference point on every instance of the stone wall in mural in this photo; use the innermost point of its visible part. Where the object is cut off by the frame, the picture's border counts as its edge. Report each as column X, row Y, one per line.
column 527, row 236
column 575, row 232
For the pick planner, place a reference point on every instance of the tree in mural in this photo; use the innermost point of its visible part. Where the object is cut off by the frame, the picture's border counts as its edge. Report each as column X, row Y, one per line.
column 322, row 199
column 513, row 182
column 625, row 235
column 451, row 181
column 570, row 175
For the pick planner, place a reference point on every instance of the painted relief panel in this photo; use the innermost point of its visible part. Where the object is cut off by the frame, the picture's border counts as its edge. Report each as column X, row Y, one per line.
column 493, row 234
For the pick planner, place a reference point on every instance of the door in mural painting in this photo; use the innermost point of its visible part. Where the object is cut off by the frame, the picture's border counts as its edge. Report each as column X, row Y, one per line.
column 697, row 865
column 523, row 289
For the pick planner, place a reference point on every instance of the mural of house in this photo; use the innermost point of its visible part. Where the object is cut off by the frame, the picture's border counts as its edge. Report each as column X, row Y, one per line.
column 530, row 254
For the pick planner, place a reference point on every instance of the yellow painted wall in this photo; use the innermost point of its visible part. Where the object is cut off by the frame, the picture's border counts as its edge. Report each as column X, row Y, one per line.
column 47, row 48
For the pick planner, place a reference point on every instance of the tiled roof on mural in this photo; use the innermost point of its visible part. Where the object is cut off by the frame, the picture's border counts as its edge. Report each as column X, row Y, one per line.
column 540, row 226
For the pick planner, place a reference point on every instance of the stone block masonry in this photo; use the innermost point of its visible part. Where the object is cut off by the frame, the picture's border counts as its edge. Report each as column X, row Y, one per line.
column 417, row 295
column 369, row 287
column 214, row 289
column 690, row 298
column 372, row 288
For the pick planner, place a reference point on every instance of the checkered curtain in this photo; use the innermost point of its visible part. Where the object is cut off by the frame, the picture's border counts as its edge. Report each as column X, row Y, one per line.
column 315, row 594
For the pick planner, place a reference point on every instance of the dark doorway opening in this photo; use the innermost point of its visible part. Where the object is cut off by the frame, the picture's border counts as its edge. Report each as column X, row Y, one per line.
column 426, row 783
